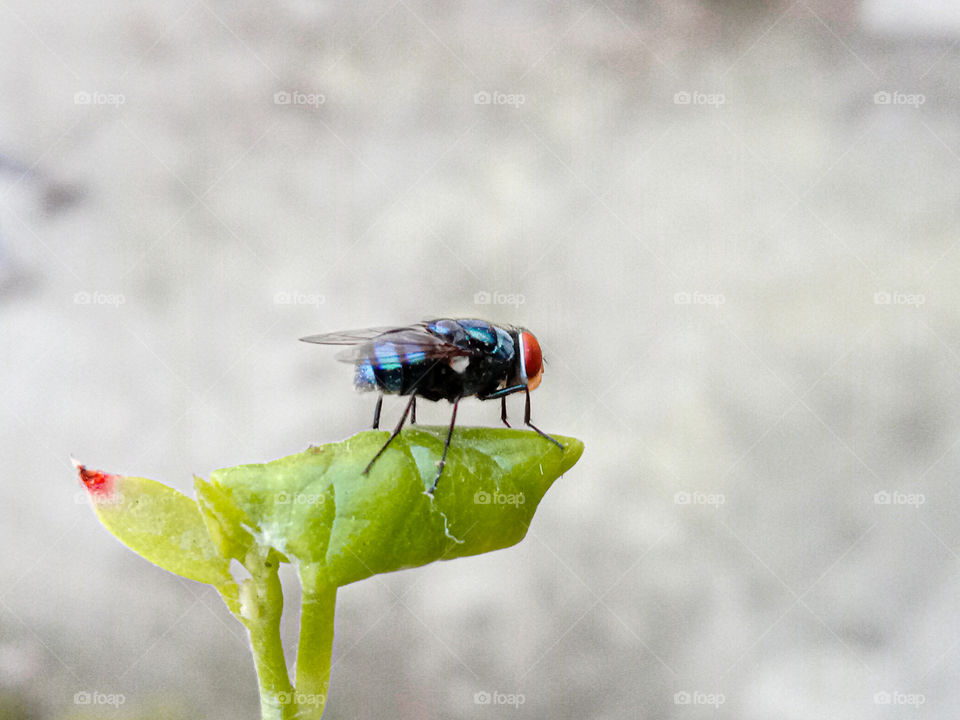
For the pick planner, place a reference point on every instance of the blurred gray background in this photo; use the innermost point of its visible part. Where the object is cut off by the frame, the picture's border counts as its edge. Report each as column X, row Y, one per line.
column 733, row 227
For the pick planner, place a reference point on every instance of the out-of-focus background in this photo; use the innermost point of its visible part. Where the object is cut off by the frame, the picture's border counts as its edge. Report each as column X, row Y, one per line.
column 733, row 227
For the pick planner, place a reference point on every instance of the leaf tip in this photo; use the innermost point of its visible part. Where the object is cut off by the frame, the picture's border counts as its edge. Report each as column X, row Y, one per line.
column 572, row 450
column 98, row 483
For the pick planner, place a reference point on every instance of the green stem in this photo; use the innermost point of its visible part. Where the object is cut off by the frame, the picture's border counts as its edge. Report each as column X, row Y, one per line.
column 315, row 645
column 260, row 607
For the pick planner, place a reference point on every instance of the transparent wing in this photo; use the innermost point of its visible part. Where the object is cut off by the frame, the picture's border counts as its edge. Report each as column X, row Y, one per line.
column 385, row 345
column 347, row 337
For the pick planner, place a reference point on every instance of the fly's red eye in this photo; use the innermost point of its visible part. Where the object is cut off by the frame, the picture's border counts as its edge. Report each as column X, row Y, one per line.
column 532, row 358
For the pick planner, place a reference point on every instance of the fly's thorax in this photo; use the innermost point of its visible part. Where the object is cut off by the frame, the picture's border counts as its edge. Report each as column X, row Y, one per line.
column 449, row 331
column 473, row 335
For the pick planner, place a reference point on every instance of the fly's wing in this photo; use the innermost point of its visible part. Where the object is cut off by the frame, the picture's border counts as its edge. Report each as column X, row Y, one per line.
column 385, row 345
column 347, row 337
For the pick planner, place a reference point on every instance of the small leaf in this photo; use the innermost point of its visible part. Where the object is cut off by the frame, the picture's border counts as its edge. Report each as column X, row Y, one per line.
column 157, row 522
column 318, row 508
column 225, row 522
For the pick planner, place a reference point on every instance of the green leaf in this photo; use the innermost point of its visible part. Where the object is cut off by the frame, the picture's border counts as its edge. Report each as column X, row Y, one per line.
column 157, row 522
column 318, row 508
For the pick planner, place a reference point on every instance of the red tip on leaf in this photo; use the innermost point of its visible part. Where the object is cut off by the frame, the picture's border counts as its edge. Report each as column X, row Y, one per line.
column 98, row 483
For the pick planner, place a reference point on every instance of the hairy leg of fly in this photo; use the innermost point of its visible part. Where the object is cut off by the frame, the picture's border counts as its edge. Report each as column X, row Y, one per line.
column 396, row 431
column 413, row 411
column 446, row 446
column 376, row 412
column 503, row 410
column 526, row 421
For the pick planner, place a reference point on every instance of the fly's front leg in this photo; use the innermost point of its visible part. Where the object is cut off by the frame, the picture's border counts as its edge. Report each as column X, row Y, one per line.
column 502, row 394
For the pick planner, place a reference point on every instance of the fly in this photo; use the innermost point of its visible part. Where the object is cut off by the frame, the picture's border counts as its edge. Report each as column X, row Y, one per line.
column 442, row 360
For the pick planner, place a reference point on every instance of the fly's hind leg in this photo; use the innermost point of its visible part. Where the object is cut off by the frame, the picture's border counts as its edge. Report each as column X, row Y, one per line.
column 446, row 446
column 396, row 431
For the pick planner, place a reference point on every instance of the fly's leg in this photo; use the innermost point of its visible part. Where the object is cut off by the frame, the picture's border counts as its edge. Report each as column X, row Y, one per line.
column 376, row 412
column 396, row 431
column 413, row 410
column 526, row 421
column 446, row 446
column 503, row 410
